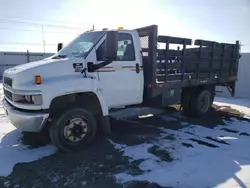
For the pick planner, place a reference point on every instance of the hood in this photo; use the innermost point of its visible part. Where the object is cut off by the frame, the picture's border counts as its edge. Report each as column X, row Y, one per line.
column 27, row 66
column 48, row 69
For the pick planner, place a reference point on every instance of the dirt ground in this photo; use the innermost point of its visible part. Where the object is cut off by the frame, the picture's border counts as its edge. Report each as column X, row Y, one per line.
column 96, row 165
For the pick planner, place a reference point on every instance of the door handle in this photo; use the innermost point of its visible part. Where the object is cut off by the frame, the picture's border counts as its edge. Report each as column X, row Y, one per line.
column 137, row 68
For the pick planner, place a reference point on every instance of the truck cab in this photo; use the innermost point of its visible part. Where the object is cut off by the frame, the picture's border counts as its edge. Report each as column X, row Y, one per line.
column 36, row 91
column 68, row 96
column 64, row 72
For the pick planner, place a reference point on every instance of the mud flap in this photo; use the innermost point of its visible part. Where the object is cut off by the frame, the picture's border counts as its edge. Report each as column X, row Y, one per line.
column 105, row 124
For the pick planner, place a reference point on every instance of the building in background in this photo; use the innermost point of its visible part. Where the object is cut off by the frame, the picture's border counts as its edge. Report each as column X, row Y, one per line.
column 243, row 83
column 11, row 59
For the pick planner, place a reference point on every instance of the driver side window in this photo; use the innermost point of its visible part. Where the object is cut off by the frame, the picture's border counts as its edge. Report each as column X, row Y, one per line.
column 125, row 52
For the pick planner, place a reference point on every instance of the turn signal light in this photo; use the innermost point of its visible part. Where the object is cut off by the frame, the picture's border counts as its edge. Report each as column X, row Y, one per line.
column 38, row 79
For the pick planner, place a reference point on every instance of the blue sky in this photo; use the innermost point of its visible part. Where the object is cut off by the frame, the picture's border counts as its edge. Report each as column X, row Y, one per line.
column 62, row 20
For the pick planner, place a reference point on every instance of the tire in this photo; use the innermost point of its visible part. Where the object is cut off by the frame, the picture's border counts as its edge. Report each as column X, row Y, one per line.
column 201, row 102
column 73, row 129
column 186, row 100
column 213, row 95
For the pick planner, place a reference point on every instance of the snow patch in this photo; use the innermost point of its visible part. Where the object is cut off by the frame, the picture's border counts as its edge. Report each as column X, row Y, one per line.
column 12, row 151
column 227, row 165
column 242, row 105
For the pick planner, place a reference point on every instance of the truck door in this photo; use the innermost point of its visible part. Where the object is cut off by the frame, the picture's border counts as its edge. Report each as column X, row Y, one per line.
column 121, row 82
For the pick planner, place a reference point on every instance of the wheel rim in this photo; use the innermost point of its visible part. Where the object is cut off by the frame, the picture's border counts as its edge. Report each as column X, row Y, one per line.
column 75, row 129
column 204, row 103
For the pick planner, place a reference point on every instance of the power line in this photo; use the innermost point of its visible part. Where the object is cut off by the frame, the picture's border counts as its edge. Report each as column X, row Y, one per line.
column 39, row 24
column 27, row 43
column 19, row 47
column 14, row 29
column 47, row 20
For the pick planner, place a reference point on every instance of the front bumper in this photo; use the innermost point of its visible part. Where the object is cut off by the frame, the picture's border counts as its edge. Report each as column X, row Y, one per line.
column 25, row 121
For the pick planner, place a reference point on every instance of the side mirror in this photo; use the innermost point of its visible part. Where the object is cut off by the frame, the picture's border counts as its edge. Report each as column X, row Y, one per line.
column 111, row 46
column 59, row 46
column 90, row 66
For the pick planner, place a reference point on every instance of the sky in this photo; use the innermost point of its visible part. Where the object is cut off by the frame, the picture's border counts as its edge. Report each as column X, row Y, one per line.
column 22, row 21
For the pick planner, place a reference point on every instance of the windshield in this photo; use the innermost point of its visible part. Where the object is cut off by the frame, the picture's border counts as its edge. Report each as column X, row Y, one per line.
column 81, row 45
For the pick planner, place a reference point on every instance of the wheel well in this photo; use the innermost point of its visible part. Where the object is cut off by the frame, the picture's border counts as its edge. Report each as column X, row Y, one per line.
column 87, row 100
column 210, row 87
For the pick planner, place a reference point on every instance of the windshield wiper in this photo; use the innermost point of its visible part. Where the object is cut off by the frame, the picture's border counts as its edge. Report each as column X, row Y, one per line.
column 59, row 57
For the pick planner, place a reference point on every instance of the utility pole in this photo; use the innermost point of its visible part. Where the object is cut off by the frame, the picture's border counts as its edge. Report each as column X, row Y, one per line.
column 43, row 40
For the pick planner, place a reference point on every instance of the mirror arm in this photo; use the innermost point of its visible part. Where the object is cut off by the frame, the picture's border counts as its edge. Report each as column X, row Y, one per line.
column 95, row 67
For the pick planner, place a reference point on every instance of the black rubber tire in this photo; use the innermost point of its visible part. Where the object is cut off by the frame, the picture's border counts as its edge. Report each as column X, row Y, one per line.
column 213, row 95
column 195, row 100
column 186, row 100
column 57, row 125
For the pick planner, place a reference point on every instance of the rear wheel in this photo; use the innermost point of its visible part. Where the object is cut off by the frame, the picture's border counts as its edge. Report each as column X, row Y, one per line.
column 73, row 129
column 201, row 102
column 186, row 100
column 196, row 102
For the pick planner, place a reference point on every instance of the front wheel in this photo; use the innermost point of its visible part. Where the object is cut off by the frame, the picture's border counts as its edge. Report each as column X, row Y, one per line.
column 73, row 129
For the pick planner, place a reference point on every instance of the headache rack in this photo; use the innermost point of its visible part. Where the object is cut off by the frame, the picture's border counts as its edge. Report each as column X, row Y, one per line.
column 172, row 61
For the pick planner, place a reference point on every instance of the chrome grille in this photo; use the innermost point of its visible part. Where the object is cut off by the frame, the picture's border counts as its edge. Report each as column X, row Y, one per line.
column 7, row 94
column 7, row 81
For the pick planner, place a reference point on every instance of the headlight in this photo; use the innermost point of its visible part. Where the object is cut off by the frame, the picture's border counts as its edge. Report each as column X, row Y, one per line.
column 37, row 99
column 28, row 99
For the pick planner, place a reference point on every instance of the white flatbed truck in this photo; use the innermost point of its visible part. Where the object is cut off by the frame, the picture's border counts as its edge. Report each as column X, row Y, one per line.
column 69, row 96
